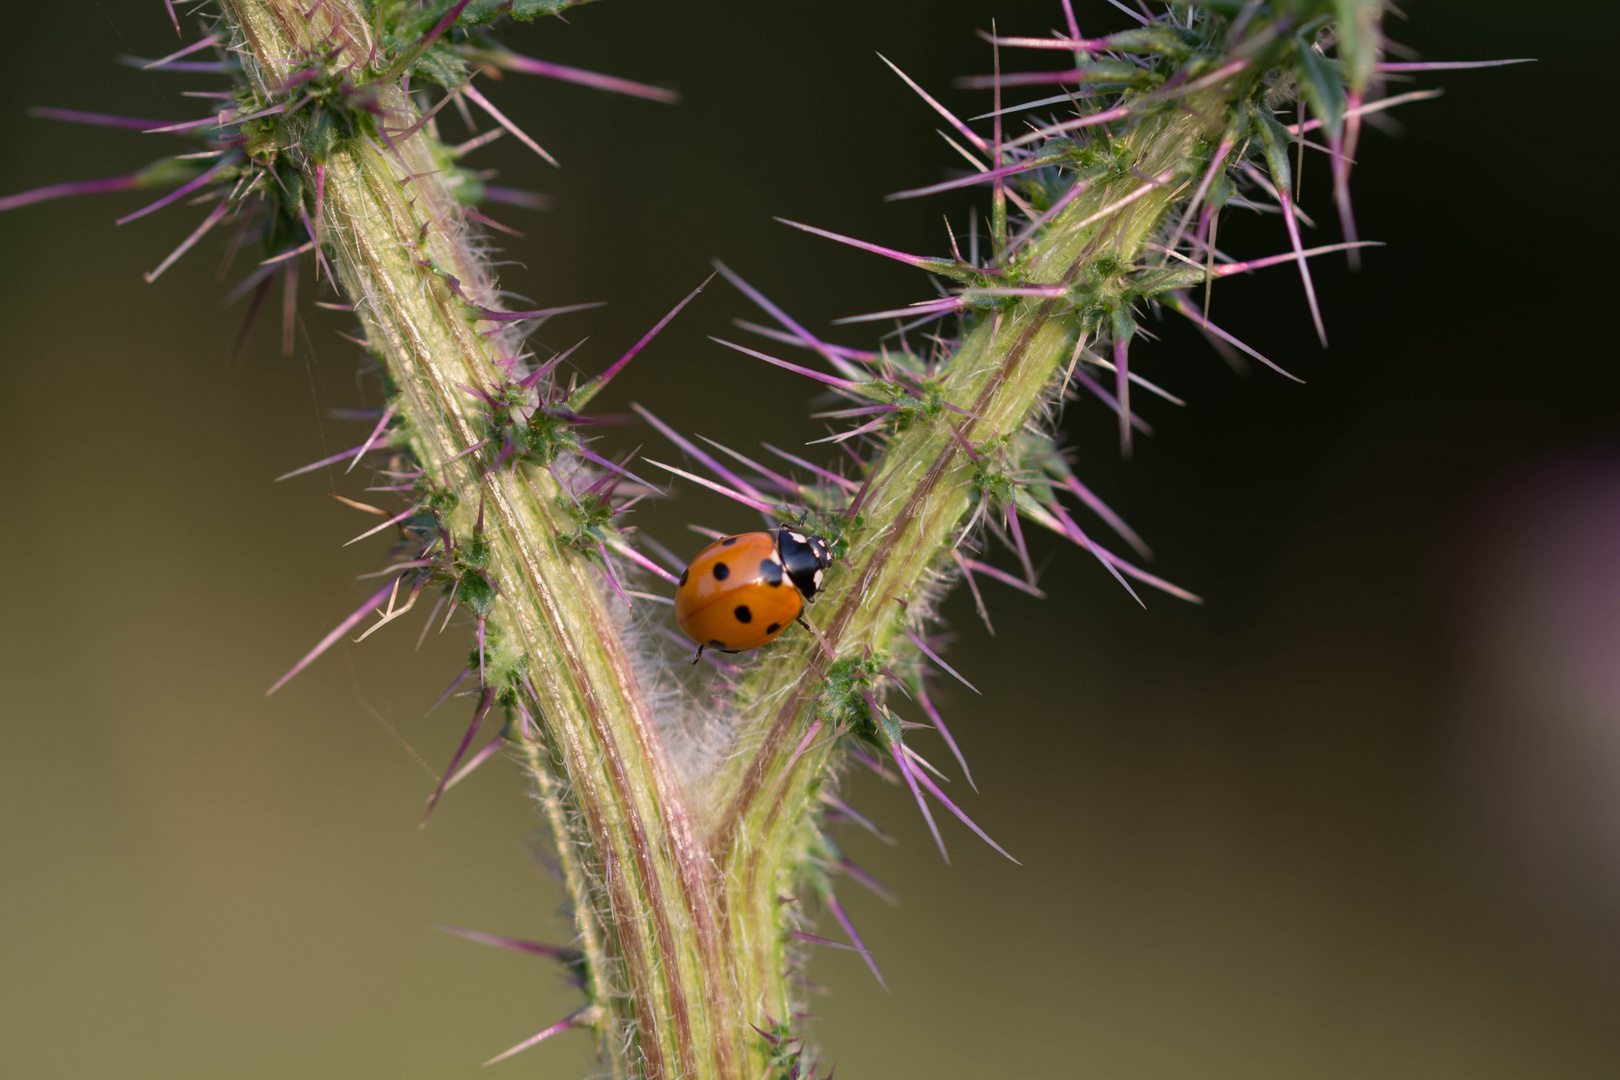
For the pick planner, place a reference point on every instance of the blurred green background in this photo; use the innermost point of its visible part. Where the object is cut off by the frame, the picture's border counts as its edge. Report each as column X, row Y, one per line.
column 1353, row 817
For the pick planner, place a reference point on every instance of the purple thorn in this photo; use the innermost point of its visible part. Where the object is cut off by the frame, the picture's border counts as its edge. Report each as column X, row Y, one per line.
column 476, row 760
column 870, row 426
column 606, row 464
column 1342, row 145
column 173, row 17
column 1111, row 560
column 528, row 200
column 767, row 1036
column 534, row 377
column 1018, row 539
column 528, row 66
column 1068, row 16
column 933, row 789
column 482, row 711
column 831, row 380
column 1228, row 269
column 918, row 641
column 1054, row 44
column 382, row 425
column 918, row 758
column 180, row 192
column 669, row 557
column 854, row 935
column 1107, row 116
column 1074, row 532
column 401, row 134
column 689, row 447
column 613, row 579
column 1178, row 303
column 1083, row 73
column 1110, row 400
column 536, row 948
column 844, row 414
column 337, row 632
column 482, row 679
column 832, row 354
column 484, row 219
column 1452, row 65
column 312, row 466
column 848, row 811
column 195, row 46
column 1005, row 578
column 789, row 485
column 500, row 118
column 1371, row 107
column 873, row 763
column 826, row 474
column 1285, row 200
column 223, row 119
column 395, row 520
column 897, row 751
column 76, row 187
column 74, row 116
column 986, row 177
column 1102, row 510
column 950, row 117
column 313, row 229
column 1122, row 392
column 444, row 24
column 569, row 1021
column 184, row 67
column 876, row 249
column 813, row 939
column 618, row 365
column 799, row 752
column 220, row 210
column 645, row 563
column 482, row 395
column 927, row 308
column 872, row 884
column 487, row 315
column 859, row 356
column 459, row 679
column 475, row 447
column 973, row 587
column 945, row 733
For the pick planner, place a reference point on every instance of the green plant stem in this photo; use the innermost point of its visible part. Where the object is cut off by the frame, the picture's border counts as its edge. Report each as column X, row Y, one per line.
column 923, row 491
column 638, row 874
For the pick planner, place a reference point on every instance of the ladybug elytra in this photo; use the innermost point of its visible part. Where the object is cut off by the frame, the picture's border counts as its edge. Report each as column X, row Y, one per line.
column 742, row 591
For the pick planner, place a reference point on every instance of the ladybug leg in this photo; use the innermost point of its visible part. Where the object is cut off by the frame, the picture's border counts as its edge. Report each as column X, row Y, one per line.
column 807, row 626
column 699, row 655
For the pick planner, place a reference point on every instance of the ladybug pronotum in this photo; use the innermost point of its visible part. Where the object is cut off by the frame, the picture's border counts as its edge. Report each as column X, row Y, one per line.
column 742, row 591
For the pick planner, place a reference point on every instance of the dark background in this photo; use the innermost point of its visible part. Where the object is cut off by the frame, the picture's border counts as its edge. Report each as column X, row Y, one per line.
column 1353, row 817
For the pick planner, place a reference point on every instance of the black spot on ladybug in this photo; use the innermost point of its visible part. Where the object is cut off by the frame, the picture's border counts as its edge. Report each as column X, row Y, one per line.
column 773, row 628
column 770, row 571
column 683, row 576
column 743, row 614
column 716, row 643
column 728, row 541
column 721, row 571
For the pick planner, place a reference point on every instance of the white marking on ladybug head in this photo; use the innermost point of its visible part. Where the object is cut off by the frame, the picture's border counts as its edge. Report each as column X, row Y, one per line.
column 798, row 538
column 817, row 579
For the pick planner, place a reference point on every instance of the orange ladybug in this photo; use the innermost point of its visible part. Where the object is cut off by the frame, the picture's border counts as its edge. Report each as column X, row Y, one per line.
column 742, row 591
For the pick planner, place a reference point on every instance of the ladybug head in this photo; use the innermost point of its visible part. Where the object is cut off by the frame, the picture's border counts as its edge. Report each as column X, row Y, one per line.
column 804, row 557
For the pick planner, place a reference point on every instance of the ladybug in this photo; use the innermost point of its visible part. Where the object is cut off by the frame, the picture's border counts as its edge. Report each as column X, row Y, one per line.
column 742, row 591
